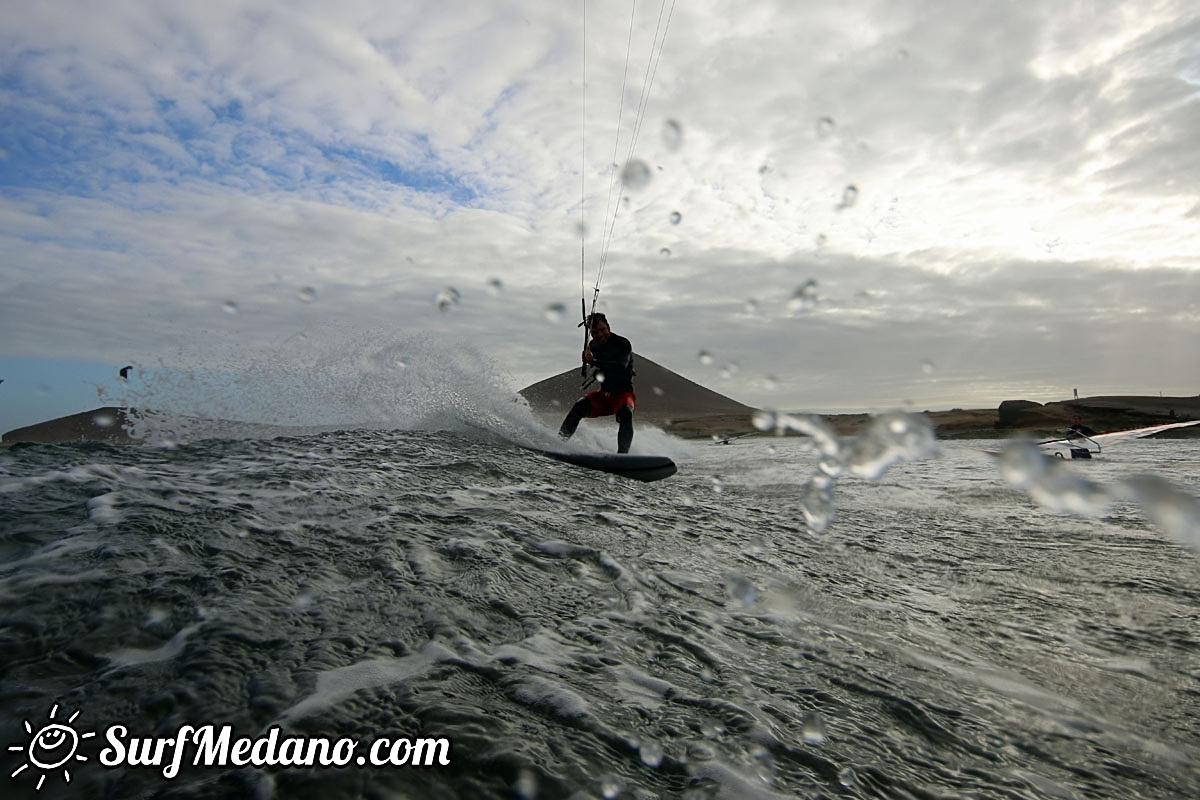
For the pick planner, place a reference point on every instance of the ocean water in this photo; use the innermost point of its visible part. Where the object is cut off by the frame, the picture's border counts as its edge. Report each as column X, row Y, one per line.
column 757, row 626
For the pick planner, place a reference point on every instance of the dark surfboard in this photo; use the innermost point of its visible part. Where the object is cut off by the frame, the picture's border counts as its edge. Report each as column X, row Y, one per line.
column 627, row 465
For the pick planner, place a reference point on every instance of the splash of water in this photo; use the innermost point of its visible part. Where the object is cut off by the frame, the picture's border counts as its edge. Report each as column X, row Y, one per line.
column 331, row 380
column 1174, row 511
column 1052, row 484
column 887, row 440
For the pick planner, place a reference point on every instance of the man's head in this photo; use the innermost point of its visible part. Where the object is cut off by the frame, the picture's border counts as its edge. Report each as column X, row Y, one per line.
column 598, row 325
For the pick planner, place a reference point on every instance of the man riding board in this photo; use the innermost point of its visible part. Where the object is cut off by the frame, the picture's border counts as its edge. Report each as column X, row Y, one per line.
column 611, row 356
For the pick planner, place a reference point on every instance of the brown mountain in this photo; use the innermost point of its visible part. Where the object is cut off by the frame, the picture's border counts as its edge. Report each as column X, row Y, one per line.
column 664, row 398
column 116, row 425
column 108, row 424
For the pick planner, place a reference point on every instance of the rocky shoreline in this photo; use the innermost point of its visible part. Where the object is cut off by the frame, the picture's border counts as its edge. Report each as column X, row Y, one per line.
column 1011, row 418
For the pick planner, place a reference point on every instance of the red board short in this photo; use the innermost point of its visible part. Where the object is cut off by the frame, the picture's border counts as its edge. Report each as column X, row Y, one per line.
column 605, row 404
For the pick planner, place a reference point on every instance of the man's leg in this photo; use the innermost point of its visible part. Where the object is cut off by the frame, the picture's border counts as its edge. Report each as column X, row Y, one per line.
column 624, row 429
column 577, row 412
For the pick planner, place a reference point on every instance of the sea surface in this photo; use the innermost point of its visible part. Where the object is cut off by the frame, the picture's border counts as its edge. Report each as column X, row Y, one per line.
column 919, row 620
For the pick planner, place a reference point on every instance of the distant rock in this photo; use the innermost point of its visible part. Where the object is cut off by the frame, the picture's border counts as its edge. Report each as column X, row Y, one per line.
column 1183, row 408
column 1012, row 413
column 114, row 425
column 108, row 424
column 1104, row 413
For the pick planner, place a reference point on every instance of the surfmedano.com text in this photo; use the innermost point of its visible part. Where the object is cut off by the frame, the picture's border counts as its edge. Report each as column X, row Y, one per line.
column 213, row 747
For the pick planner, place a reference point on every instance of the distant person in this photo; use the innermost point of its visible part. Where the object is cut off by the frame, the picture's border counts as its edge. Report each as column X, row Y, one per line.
column 1077, row 427
column 611, row 356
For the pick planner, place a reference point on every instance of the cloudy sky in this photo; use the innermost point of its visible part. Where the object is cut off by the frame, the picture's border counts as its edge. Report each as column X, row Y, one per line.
column 852, row 205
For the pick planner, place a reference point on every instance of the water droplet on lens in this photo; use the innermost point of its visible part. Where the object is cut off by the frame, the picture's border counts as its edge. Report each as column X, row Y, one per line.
column 849, row 197
column 1170, row 508
column 825, row 126
column 804, row 298
column 495, row 287
column 230, row 307
column 813, row 730
column 765, row 764
column 847, row 778
column 770, row 383
column 610, row 786
column 304, row 600
column 704, row 357
column 751, row 307
column 447, row 299
column 888, row 439
column 741, row 590
column 672, row 134
column 651, row 753
column 927, row 367
column 676, row 218
column 555, row 312
column 729, row 370
column 307, row 294
column 764, row 420
column 1023, row 465
column 666, row 251
column 527, row 784
column 636, row 174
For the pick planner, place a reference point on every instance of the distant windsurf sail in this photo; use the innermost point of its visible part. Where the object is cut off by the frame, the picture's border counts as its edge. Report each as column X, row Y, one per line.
column 1080, row 446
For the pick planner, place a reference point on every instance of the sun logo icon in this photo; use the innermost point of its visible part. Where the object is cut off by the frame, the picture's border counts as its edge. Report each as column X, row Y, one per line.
column 51, row 748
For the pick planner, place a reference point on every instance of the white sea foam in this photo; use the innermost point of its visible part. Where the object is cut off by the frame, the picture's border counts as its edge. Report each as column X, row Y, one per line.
column 336, row 685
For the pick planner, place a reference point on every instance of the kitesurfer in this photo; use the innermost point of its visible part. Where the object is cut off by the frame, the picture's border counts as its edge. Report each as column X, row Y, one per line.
column 611, row 356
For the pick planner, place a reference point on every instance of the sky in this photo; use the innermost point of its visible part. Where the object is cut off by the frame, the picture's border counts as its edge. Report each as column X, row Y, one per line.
column 825, row 206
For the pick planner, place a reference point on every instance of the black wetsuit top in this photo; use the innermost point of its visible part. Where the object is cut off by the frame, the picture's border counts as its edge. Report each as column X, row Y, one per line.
column 613, row 362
